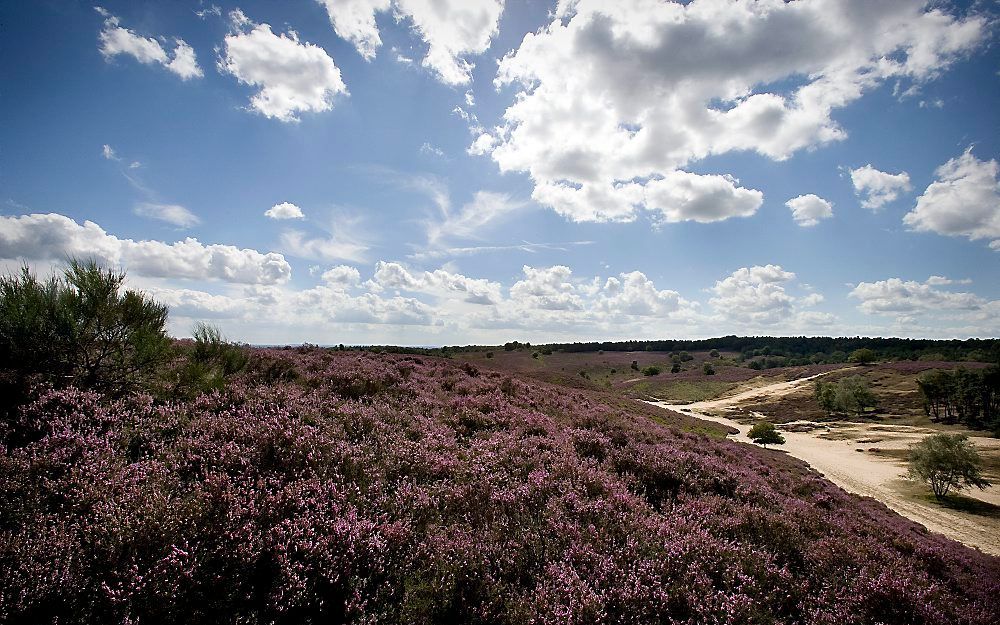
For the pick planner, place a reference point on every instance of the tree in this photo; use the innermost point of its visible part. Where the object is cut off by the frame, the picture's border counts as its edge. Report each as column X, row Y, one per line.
column 945, row 462
column 78, row 329
column 765, row 433
column 863, row 356
column 849, row 394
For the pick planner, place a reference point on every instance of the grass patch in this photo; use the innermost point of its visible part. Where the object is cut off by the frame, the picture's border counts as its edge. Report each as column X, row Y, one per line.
column 917, row 491
column 685, row 391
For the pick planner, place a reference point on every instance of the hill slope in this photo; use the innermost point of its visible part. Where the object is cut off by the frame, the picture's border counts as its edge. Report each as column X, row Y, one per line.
column 386, row 489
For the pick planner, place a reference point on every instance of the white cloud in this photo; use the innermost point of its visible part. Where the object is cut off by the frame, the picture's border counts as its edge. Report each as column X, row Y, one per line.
column 942, row 280
column 342, row 275
column 755, row 295
column 615, row 97
column 439, row 283
column 56, row 237
column 808, row 209
column 963, row 201
column 907, row 296
column 298, row 243
column 683, row 196
column 634, row 294
column 452, row 29
column 116, row 40
column 109, row 153
column 354, row 20
column 171, row 213
column 284, row 210
column 431, row 150
column 292, row 77
column 469, row 221
column 547, row 288
column 878, row 188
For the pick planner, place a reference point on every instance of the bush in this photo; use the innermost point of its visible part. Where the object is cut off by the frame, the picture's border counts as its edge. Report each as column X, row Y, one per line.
column 765, row 433
column 79, row 329
column 675, row 368
column 489, row 354
column 635, row 365
column 945, row 462
column 534, row 355
column 863, row 356
column 651, row 370
column 849, row 394
column 708, row 369
column 208, row 364
column 713, row 354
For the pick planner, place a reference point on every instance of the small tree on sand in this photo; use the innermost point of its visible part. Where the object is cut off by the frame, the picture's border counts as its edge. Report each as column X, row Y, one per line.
column 765, row 433
column 946, row 461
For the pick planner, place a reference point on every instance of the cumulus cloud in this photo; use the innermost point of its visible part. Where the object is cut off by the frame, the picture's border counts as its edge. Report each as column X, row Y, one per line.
column 452, row 29
column 292, row 77
column 56, row 237
column 616, row 97
column 755, row 295
column 440, row 283
column 173, row 214
column 963, row 201
column 284, row 210
column 908, row 296
column 808, row 210
column 878, row 188
column 634, row 294
column 342, row 275
column 116, row 40
column 547, row 288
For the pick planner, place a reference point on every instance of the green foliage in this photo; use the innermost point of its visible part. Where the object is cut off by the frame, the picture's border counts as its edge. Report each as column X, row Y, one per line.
column 849, row 394
column 635, row 365
column 675, row 368
column 208, row 364
column 489, row 354
column 684, row 356
column 535, row 355
column 651, row 370
column 713, row 354
column 969, row 397
column 945, row 462
column 764, row 433
column 78, row 329
column 708, row 369
column 863, row 356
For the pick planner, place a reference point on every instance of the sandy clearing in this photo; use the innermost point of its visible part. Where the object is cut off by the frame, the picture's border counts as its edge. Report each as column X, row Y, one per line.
column 832, row 450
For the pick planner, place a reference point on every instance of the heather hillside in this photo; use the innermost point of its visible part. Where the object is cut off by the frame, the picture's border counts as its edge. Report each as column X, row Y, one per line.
column 365, row 488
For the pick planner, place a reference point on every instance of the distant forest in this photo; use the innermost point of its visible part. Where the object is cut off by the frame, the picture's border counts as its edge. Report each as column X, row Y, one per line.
column 759, row 352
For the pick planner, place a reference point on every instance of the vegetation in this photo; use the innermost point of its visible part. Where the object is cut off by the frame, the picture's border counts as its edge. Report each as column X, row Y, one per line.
column 946, row 462
column 708, row 369
column 389, row 488
column 79, row 329
column 764, row 433
column 221, row 483
column 963, row 396
column 651, row 370
column 847, row 395
column 863, row 356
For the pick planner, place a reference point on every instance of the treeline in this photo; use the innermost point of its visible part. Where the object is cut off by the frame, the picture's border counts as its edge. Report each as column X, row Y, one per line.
column 771, row 350
column 962, row 396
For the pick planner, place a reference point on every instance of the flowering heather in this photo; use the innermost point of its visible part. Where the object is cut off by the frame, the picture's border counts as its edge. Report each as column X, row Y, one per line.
column 391, row 489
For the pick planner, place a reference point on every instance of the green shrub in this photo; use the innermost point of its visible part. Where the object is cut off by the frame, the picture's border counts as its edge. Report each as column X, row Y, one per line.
column 208, row 363
column 675, row 368
column 765, row 433
column 78, row 329
column 708, row 369
column 945, row 462
column 651, row 370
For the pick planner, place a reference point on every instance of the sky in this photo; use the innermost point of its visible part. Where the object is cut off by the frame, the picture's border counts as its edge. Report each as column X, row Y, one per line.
column 442, row 172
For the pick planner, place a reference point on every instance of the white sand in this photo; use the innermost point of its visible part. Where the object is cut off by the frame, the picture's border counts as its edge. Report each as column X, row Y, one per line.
column 864, row 473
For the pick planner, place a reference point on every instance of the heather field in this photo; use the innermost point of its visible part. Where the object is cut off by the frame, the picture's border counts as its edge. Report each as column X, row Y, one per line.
column 323, row 486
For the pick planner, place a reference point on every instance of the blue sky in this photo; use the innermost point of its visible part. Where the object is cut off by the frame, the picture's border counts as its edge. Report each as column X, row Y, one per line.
column 448, row 172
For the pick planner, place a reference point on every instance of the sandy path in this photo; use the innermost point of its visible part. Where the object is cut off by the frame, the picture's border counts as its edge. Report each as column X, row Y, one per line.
column 863, row 473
